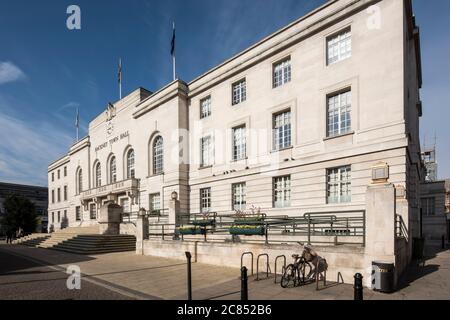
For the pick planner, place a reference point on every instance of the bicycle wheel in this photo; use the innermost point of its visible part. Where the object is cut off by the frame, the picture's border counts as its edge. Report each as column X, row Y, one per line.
column 289, row 277
column 305, row 271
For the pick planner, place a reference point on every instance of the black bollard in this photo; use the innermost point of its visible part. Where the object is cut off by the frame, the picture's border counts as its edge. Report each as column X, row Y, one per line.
column 189, row 274
column 244, row 284
column 358, row 287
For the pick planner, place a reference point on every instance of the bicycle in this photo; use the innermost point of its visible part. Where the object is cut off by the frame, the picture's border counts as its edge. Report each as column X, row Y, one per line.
column 299, row 272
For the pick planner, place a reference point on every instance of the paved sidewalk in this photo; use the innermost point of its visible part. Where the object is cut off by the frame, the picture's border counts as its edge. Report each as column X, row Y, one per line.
column 145, row 277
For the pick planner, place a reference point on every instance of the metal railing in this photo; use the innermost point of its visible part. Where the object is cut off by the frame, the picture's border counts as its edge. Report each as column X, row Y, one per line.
column 343, row 227
column 401, row 231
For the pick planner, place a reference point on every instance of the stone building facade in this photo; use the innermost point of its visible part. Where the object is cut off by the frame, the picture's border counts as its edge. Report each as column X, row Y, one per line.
column 293, row 124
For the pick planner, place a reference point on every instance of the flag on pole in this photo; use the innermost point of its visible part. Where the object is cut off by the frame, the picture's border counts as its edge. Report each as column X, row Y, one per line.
column 119, row 78
column 172, row 47
column 172, row 52
column 77, row 123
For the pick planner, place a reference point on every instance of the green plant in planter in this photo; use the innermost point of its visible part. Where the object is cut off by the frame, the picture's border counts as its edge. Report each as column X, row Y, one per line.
column 247, row 230
column 191, row 230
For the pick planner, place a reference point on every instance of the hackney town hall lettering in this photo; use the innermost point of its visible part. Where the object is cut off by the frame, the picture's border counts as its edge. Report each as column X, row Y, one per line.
column 112, row 141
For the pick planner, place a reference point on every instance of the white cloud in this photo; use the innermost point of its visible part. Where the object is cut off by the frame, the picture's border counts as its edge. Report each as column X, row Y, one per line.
column 9, row 72
column 27, row 148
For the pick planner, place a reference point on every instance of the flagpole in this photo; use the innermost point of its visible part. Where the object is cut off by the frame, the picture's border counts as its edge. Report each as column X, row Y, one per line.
column 77, row 125
column 120, row 79
column 173, row 55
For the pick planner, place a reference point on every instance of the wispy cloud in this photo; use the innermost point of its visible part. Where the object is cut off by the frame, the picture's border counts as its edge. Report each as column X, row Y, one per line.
column 27, row 149
column 9, row 72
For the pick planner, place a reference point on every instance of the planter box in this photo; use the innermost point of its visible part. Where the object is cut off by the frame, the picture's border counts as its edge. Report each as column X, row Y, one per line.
column 257, row 231
column 202, row 223
column 191, row 231
column 249, row 221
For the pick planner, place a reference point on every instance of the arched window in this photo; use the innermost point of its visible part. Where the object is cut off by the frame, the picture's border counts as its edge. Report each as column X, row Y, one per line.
column 98, row 175
column 130, row 164
column 158, row 155
column 80, row 181
column 112, row 170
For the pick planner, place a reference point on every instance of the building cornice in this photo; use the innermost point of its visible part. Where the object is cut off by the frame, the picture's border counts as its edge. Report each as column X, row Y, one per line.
column 288, row 36
column 58, row 163
column 172, row 90
column 80, row 145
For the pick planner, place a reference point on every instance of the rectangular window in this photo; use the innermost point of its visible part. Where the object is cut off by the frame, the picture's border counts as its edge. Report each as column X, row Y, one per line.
column 205, row 107
column 206, row 151
column 53, row 176
column 78, row 213
column 339, row 113
column 53, row 196
column 282, row 192
column 93, row 211
column 239, row 143
column 282, row 72
column 339, row 46
column 239, row 92
column 125, row 204
column 59, row 174
column 65, row 216
column 53, row 217
column 65, row 193
column 282, row 130
column 59, row 194
column 155, row 203
column 205, row 200
column 428, row 206
column 65, row 171
column 339, row 185
column 59, row 216
column 239, row 196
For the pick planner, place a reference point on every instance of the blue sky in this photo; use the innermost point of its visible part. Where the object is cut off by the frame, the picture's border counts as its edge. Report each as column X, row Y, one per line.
column 47, row 71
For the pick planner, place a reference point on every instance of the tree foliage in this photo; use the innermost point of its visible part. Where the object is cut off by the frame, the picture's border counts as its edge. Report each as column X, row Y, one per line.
column 20, row 213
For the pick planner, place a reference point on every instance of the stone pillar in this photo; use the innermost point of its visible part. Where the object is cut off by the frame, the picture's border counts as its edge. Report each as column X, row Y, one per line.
column 380, row 226
column 110, row 217
column 174, row 209
column 141, row 231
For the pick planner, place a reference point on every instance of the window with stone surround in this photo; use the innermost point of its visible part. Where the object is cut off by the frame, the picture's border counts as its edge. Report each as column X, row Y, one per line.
column 155, row 203
column 339, row 113
column 205, row 200
column 339, row 185
column 158, row 155
column 282, row 192
column 339, row 46
column 239, row 91
column 428, row 206
column 282, row 72
column 282, row 130
column 239, row 143
column 205, row 107
column 239, row 196
column 206, row 152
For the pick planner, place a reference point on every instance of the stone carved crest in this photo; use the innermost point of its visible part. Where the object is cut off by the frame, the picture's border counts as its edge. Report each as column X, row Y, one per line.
column 110, row 112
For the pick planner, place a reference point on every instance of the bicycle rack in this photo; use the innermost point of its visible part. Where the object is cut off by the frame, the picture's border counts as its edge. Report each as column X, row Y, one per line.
column 339, row 276
column 324, row 273
column 282, row 269
column 267, row 266
column 242, row 259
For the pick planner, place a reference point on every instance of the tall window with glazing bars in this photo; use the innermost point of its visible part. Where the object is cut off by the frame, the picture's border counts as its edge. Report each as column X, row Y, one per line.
column 339, row 46
column 205, row 107
column 158, row 155
column 282, row 130
column 282, row 72
column 239, row 196
column 339, row 113
column 239, row 91
column 206, row 152
column 130, row 164
column 339, row 185
column 205, row 200
column 239, row 143
column 282, row 192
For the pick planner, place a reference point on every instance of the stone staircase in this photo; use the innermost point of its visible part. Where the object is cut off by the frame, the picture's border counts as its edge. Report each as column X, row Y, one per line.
column 81, row 240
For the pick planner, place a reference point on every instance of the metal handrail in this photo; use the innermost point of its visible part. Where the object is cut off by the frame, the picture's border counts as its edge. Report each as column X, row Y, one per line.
column 315, row 224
